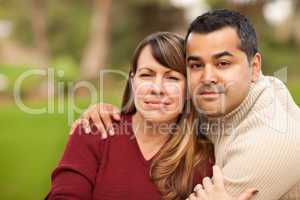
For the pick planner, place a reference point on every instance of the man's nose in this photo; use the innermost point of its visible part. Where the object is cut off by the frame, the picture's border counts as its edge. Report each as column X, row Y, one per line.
column 209, row 75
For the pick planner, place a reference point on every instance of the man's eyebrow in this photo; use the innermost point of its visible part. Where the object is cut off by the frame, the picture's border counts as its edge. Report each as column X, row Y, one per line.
column 224, row 53
column 193, row 58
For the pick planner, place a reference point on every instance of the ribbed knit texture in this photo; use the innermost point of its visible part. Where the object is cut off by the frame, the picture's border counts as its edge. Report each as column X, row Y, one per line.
column 258, row 143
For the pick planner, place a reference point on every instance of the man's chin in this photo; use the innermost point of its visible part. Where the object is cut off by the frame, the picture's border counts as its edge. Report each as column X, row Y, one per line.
column 211, row 109
column 210, row 112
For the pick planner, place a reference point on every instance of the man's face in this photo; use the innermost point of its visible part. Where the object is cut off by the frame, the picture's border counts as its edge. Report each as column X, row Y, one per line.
column 219, row 73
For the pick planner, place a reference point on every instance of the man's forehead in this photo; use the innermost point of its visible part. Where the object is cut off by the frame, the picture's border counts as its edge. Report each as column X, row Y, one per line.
column 225, row 39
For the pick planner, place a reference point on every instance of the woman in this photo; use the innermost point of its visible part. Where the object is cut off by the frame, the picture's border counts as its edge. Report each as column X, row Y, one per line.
column 152, row 158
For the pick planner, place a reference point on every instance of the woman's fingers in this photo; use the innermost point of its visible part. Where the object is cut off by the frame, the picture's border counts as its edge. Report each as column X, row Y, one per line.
column 199, row 191
column 248, row 194
column 192, row 197
column 214, row 189
column 218, row 177
column 207, row 184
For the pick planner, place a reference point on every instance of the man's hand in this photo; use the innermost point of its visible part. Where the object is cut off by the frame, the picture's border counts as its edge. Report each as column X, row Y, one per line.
column 214, row 189
column 101, row 116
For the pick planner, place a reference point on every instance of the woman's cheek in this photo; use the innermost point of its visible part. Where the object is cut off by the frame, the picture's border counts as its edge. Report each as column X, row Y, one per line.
column 140, row 90
column 176, row 92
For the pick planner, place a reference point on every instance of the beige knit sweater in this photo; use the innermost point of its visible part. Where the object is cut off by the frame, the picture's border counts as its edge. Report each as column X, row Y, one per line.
column 258, row 144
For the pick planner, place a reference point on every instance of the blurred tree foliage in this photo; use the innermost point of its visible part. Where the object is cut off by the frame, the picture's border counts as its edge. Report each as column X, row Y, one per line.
column 133, row 20
column 68, row 25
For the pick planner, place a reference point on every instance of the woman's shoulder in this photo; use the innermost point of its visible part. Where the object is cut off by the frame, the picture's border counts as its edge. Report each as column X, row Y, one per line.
column 79, row 139
column 93, row 144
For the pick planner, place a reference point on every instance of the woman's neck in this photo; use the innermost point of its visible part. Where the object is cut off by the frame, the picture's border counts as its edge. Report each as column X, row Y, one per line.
column 150, row 132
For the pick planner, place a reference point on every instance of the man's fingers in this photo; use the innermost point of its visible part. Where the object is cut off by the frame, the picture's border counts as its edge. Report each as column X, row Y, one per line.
column 74, row 125
column 116, row 113
column 102, row 116
column 102, row 130
column 86, row 125
column 95, row 115
column 108, row 113
column 248, row 194
column 108, row 124
column 100, row 126
column 218, row 176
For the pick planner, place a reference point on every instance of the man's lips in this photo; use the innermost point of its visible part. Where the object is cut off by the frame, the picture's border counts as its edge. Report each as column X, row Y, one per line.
column 209, row 95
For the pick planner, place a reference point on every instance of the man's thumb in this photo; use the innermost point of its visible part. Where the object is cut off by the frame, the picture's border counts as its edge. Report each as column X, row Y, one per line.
column 248, row 194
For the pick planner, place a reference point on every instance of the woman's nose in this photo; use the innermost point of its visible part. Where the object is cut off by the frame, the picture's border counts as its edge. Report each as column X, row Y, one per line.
column 158, row 87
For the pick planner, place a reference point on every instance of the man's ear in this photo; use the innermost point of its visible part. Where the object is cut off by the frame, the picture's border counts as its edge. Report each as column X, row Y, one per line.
column 256, row 67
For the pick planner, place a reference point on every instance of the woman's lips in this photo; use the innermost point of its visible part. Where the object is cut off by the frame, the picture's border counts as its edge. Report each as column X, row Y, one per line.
column 156, row 104
column 160, row 102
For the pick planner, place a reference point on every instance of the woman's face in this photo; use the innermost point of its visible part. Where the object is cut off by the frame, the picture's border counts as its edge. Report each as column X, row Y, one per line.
column 159, row 92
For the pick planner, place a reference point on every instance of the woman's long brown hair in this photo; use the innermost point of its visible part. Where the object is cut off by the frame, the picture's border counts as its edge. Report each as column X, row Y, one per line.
column 172, row 169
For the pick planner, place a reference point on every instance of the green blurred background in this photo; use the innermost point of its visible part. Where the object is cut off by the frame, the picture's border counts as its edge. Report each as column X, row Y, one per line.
column 78, row 38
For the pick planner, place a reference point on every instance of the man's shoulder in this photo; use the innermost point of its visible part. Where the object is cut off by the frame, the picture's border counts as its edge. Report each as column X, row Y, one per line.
column 274, row 109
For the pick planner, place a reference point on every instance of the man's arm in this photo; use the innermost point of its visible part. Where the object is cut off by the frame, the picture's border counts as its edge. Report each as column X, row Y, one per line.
column 264, row 159
column 101, row 115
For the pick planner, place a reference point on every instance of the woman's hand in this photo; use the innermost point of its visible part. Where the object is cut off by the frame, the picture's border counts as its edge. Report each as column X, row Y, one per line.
column 214, row 189
column 101, row 115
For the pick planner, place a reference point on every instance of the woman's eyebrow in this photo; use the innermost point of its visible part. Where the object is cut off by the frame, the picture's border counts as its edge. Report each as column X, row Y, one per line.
column 171, row 72
column 144, row 68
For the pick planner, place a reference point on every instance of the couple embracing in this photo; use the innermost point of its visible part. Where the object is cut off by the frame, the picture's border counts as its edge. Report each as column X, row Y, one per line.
column 199, row 121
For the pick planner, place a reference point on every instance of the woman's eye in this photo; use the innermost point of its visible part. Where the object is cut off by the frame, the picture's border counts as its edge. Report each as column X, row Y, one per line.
column 144, row 75
column 173, row 78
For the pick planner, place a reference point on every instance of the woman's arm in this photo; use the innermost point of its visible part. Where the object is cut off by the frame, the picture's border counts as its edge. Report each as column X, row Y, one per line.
column 74, row 178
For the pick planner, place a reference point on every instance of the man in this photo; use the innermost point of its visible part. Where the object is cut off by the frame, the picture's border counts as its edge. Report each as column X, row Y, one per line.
column 250, row 118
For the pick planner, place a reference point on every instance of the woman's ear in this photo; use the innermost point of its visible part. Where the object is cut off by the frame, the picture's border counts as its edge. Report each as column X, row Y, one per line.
column 256, row 67
column 131, row 79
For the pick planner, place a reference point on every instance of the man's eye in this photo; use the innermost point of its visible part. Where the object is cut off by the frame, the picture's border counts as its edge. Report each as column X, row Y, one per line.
column 196, row 66
column 223, row 64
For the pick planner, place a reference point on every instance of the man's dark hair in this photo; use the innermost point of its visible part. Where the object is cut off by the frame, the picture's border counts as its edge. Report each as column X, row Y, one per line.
column 218, row 19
